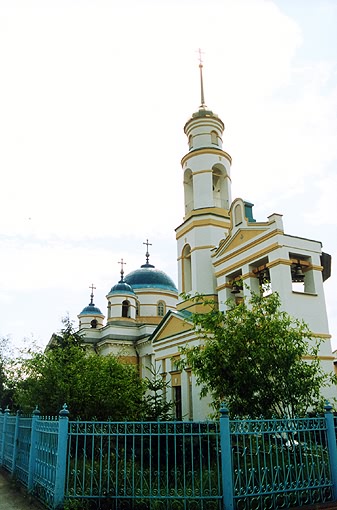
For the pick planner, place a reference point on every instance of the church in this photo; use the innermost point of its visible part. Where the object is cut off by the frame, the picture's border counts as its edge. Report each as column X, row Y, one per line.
column 219, row 246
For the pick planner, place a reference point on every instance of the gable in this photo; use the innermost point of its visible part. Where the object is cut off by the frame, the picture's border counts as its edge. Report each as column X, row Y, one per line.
column 172, row 326
column 241, row 237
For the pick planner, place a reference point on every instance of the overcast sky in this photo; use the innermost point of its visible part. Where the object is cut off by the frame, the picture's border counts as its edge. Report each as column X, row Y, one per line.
column 94, row 95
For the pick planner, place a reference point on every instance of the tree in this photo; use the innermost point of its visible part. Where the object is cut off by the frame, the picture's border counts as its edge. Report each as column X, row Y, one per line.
column 93, row 386
column 251, row 357
column 155, row 405
column 6, row 390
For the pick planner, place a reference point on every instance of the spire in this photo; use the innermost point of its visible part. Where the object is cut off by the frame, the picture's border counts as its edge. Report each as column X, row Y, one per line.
column 147, row 255
column 202, row 105
column 92, row 295
column 122, row 263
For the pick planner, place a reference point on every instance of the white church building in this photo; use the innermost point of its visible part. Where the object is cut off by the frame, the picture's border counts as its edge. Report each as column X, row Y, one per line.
column 219, row 246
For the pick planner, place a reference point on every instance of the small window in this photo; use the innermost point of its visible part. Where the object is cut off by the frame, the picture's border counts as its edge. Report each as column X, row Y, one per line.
column 237, row 214
column 125, row 308
column 94, row 323
column 137, row 309
column 214, row 137
column 190, row 142
column 161, row 309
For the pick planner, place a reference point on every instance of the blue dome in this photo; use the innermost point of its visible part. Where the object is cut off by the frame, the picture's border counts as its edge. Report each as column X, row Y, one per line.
column 91, row 310
column 149, row 277
column 122, row 288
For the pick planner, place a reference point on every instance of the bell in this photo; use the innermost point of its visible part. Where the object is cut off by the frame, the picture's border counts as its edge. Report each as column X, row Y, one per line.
column 297, row 274
column 235, row 289
column 264, row 276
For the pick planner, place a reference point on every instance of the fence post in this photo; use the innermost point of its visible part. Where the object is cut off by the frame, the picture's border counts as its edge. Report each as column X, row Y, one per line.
column 61, row 462
column 226, row 459
column 332, row 447
column 3, row 442
column 1, row 433
column 16, row 439
column 32, row 450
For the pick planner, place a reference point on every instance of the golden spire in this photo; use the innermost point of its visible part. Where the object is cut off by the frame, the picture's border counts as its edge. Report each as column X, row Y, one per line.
column 202, row 105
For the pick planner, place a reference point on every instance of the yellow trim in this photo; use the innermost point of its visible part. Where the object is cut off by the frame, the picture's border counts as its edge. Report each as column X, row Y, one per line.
column 167, row 343
column 198, row 152
column 206, row 171
column 277, row 262
column 205, row 247
column 209, row 222
column 223, row 249
column 149, row 319
column 325, row 358
column 192, row 306
column 154, row 291
column 247, row 260
column 215, row 211
column 228, row 285
column 324, row 336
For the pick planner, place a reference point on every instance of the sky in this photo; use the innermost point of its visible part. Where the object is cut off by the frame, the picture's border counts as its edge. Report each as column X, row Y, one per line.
column 94, row 95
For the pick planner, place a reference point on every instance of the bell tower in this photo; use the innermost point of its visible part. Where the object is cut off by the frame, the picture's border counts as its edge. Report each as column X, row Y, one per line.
column 207, row 196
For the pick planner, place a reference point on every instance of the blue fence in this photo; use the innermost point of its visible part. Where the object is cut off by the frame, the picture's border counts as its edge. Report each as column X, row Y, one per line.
column 230, row 464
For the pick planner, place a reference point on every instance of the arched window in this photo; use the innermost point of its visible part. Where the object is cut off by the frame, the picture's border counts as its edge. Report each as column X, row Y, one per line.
column 94, row 323
column 186, row 269
column 161, row 309
column 188, row 190
column 125, row 308
column 190, row 142
column 137, row 309
column 238, row 214
column 214, row 137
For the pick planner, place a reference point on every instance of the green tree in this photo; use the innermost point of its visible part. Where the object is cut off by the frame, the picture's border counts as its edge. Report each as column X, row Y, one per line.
column 93, row 386
column 6, row 390
column 251, row 357
column 155, row 404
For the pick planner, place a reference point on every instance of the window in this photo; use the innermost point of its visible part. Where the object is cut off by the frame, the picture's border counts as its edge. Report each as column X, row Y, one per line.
column 137, row 309
column 237, row 214
column 186, row 269
column 161, row 309
column 190, row 142
column 302, row 277
column 94, row 323
column 214, row 137
column 125, row 308
column 177, row 403
column 188, row 190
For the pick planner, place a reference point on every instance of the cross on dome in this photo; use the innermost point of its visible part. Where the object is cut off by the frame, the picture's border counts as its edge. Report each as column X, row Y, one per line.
column 122, row 263
column 147, row 255
column 92, row 294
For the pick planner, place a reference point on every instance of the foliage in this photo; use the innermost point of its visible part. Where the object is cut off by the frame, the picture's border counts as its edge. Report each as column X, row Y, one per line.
column 156, row 407
column 6, row 390
column 94, row 387
column 251, row 357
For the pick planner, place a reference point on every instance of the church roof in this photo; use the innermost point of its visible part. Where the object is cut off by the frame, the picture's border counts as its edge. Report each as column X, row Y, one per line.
column 122, row 288
column 91, row 309
column 147, row 276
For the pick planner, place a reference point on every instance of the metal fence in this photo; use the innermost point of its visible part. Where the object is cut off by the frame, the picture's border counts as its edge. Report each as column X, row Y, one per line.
column 230, row 464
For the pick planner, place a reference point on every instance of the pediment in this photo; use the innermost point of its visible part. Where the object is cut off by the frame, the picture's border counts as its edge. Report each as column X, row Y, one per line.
column 173, row 325
column 241, row 236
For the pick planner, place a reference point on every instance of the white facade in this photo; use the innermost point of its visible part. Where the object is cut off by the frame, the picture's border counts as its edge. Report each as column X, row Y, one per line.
column 218, row 244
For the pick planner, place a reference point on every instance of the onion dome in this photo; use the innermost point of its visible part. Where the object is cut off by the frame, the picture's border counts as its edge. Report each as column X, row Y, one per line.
column 91, row 316
column 91, row 309
column 122, row 287
column 149, row 277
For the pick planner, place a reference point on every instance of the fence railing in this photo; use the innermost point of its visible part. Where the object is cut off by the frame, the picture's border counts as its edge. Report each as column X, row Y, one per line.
column 230, row 464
